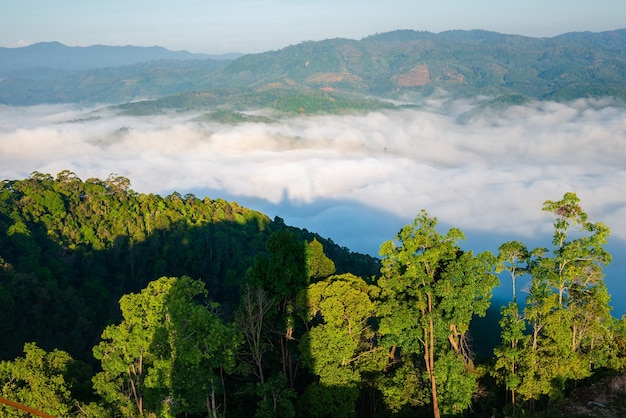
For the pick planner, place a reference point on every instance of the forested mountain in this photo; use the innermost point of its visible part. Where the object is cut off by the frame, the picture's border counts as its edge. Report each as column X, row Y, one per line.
column 403, row 65
column 122, row 304
column 111, row 84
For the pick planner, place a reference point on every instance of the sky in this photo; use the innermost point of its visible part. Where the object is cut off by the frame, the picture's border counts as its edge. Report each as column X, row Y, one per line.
column 245, row 26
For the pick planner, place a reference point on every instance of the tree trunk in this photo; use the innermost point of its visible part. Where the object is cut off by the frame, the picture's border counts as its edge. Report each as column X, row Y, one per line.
column 430, row 367
column 429, row 356
column 224, row 391
column 287, row 360
column 210, row 403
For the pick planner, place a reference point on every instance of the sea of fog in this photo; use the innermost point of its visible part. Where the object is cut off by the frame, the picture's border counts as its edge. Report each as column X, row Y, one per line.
column 358, row 179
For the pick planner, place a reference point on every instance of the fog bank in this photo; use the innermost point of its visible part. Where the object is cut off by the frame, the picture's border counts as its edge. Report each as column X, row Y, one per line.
column 353, row 178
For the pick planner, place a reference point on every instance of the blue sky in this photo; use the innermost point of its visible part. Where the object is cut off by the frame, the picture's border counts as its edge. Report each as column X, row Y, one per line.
column 218, row 26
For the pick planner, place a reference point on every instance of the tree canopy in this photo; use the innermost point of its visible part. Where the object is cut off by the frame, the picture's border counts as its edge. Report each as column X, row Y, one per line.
column 203, row 308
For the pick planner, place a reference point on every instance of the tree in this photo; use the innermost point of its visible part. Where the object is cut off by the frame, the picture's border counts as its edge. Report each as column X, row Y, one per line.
column 339, row 342
column 203, row 349
column 251, row 319
column 40, row 380
column 282, row 273
column 567, row 309
column 514, row 258
column 319, row 265
column 576, row 263
column 430, row 290
column 164, row 356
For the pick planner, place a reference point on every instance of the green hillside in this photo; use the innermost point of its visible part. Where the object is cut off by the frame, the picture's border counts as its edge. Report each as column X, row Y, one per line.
column 77, row 246
column 403, row 65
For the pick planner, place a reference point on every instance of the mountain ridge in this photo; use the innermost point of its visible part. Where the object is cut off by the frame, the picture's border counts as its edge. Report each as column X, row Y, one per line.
column 401, row 65
column 57, row 55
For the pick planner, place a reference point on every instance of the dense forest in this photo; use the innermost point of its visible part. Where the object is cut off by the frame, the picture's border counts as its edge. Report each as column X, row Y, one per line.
column 121, row 304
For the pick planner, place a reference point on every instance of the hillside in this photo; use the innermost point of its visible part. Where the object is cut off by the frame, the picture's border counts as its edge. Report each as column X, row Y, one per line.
column 402, row 65
column 464, row 63
column 76, row 246
column 201, row 303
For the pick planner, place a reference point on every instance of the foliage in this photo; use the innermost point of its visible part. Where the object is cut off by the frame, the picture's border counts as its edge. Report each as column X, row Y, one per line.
column 72, row 248
column 318, row 264
column 430, row 292
column 41, row 380
column 567, row 309
column 296, row 325
column 340, row 341
column 163, row 357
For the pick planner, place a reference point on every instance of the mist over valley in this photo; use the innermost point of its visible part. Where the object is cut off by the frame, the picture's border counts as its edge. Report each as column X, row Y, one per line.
column 356, row 178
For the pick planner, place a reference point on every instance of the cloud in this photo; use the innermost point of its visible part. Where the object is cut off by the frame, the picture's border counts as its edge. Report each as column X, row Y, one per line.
column 490, row 173
column 356, row 179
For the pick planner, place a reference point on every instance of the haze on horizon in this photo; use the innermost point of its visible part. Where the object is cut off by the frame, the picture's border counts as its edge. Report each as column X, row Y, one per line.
column 246, row 26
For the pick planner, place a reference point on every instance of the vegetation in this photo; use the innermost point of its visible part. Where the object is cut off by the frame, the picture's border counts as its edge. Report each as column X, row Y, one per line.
column 403, row 65
column 431, row 290
column 121, row 304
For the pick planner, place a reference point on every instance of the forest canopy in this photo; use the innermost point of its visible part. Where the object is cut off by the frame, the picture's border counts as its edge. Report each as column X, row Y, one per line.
column 125, row 304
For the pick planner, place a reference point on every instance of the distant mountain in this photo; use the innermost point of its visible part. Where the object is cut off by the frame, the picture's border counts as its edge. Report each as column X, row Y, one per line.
column 462, row 63
column 401, row 65
column 145, row 80
column 56, row 56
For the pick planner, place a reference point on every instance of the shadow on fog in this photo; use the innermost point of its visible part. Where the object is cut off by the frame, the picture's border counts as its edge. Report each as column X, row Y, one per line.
column 363, row 228
column 350, row 224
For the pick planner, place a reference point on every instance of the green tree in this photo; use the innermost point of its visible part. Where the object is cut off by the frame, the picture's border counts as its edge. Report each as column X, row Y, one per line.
column 430, row 290
column 567, row 308
column 40, row 380
column 319, row 265
column 164, row 357
column 514, row 257
column 282, row 273
column 575, row 263
column 203, row 348
column 340, row 341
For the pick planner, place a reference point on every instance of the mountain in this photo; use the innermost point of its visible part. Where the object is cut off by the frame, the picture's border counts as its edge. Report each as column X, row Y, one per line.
column 402, row 65
column 144, row 80
column 51, row 72
column 465, row 63
column 54, row 55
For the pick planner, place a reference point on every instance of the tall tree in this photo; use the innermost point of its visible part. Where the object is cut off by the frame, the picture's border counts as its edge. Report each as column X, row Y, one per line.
column 567, row 308
column 252, row 321
column 514, row 257
column 282, row 273
column 430, row 290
